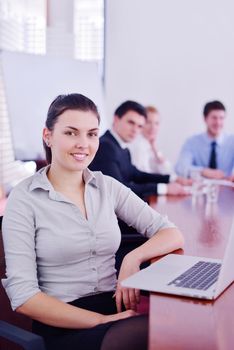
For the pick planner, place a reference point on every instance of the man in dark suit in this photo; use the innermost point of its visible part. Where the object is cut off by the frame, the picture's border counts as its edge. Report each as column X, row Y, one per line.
column 113, row 157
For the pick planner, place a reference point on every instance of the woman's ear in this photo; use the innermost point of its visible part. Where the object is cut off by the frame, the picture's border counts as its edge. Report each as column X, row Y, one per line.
column 47, row 136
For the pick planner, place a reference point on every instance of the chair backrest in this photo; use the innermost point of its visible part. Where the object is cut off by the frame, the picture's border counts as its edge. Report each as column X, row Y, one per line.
column 6, row 313
column 25, row 339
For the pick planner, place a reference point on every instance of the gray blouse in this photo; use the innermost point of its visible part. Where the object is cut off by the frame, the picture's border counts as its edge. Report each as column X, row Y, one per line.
column 51, row 247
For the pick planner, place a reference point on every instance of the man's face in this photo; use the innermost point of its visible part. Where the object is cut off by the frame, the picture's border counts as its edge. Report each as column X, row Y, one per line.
column 129, row 126
column 215, row 122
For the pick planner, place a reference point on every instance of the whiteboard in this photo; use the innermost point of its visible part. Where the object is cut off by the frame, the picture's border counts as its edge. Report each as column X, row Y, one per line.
column 31, row 83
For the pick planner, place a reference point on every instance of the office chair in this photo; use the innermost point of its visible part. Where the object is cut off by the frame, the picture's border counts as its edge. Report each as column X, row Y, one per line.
column 19, row 336
column 25, row 339
column 130, row 239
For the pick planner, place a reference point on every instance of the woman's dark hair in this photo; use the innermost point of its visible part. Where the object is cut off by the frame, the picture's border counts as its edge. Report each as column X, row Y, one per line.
column 63, row 103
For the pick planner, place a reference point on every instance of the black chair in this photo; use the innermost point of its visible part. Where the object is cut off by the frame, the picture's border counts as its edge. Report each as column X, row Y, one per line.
column 130, row 239
column 12, row 336
column 25, row 339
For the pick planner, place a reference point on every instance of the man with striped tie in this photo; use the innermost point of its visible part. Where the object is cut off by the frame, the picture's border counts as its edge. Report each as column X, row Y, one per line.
column 211, row 153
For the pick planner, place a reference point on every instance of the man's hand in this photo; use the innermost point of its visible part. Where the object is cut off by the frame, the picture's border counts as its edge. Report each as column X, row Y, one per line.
column 175, row 189
column 184, row 181
column 230, row 178
column 213, row 173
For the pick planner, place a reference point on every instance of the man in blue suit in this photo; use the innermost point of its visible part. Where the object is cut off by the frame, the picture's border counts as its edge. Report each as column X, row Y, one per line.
column 113, row 157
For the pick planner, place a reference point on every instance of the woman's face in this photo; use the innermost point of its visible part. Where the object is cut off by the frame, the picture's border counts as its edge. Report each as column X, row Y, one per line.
column 151, row 127
column 74, row 140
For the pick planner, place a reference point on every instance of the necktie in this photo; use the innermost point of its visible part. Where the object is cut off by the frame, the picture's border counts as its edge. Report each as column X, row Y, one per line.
column 127, row 153
column 213, row 161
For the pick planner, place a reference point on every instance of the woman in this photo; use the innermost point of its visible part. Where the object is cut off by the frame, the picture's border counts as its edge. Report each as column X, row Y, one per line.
column 144, row 151
column 61, row 234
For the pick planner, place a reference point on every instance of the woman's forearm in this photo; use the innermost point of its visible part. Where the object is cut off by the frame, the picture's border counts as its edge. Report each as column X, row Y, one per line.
column 163, row 242
column 54, row 312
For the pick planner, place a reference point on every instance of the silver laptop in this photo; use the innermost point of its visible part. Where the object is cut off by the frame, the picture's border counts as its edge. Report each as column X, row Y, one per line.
column 190, row 276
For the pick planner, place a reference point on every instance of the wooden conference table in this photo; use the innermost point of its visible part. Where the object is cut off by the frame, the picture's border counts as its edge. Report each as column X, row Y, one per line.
column 185, row 323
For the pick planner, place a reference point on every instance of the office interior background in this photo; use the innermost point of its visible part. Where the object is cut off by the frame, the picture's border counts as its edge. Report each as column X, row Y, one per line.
column 175, row 55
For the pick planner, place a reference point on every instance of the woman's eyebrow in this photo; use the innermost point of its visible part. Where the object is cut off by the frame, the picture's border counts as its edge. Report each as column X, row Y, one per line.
column 94, row 129
column 71, row 127
column 75, row 129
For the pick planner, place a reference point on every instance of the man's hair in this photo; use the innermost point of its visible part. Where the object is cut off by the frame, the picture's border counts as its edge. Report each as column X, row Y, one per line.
column 127, row 106
column 213, row 105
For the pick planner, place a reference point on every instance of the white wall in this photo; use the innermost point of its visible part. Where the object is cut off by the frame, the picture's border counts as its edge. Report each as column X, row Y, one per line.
column 42, row 77
column 176, row 55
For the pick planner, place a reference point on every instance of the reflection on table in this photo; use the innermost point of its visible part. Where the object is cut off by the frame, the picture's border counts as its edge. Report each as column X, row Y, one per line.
column 184, row 323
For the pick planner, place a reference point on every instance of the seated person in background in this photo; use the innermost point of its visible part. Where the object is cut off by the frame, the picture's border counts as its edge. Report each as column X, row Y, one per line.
column 113, row 157
column 145, row 154
column 15, row 171
column 61, row 234
column 211, row 153
column 2, row 192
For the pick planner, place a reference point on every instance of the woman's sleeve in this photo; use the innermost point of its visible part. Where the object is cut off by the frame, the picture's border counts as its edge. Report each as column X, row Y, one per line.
column 19, row 246
column 137, row 213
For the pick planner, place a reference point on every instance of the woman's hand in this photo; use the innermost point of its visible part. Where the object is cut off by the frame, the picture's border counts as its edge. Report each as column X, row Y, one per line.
column 157, row 154
column 119, row 316
column 129, row 296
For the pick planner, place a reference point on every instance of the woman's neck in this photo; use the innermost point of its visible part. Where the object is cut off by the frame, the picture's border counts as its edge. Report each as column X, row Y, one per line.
column 65, row 180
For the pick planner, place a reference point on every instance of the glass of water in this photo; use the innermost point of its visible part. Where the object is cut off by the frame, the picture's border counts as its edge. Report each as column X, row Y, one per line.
column 197, row 185
column 212, row 192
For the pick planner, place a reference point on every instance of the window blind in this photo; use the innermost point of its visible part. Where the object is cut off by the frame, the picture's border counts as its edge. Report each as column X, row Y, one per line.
column 22, row 28
column 89, row 30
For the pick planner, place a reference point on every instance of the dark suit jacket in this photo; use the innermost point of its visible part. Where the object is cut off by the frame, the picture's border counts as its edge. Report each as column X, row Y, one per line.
column 114, row 161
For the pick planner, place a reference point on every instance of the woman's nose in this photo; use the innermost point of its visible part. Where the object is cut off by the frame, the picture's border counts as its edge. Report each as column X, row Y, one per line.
column 82, row 142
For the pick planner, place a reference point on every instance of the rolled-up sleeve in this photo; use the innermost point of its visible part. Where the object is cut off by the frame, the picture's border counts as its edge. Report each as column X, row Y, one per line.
column 19, row 246
column 137, row 213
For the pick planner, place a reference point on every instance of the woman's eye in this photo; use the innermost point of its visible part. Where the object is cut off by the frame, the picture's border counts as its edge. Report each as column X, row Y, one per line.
column 93, row 134
column 70, row 133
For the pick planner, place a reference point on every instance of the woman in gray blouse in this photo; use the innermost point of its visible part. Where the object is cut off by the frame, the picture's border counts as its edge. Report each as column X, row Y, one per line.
column 61, row 234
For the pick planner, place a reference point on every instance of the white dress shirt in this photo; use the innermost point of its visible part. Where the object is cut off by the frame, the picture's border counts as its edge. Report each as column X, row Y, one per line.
column 144, row 159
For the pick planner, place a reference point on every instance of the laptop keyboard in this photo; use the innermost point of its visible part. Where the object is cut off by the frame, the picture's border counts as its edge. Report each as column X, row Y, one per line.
column 200, row 276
